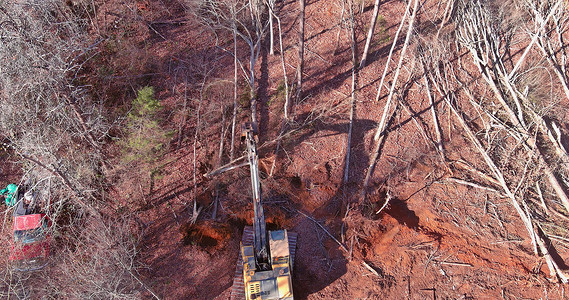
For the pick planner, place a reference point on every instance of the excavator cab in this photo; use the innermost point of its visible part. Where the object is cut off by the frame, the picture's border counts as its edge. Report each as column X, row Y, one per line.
column 275, row 283
column 249, row 128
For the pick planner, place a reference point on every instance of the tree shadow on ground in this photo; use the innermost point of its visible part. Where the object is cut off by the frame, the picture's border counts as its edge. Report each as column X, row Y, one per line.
column 262, row 93
column 324, row 81
column 319, row 260
column 358, row 157
column 400, row 211
column 553, row 252
column 200, row 271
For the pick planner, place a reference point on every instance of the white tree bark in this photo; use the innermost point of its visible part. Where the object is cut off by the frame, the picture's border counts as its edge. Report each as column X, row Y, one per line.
column 395, row 38
column 372, row 23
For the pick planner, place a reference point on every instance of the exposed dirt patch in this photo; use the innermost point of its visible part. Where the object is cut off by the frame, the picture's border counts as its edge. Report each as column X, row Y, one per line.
column 206, row 234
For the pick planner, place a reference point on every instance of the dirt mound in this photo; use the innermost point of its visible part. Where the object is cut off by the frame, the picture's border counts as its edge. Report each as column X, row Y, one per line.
column 206, row 234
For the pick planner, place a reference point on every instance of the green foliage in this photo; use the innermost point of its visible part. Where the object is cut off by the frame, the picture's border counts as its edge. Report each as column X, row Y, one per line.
column 380, row 32
column 145, row 103
column 382, row 36
column 145, row 138
column 279, row 96
column 245, row 97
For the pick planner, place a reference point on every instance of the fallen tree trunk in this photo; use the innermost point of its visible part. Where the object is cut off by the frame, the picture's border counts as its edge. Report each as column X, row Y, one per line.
column 380, row 132
column 352, row 99
column 554, row 268
column 483, row 42
column 497, row 173
column 395, row 39
column 372, row 23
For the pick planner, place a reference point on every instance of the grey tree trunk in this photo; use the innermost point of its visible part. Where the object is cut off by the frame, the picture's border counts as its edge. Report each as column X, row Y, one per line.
column 271, row 5
column 370, row 33
column 300, row 67
column 353, row 94
column 234, row 119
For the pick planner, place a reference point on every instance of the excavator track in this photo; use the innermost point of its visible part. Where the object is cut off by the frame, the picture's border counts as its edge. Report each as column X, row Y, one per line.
column 238, row 288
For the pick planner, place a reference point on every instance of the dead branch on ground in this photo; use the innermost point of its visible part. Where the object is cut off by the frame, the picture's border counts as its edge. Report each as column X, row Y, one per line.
column 485, row 41
column 326, row 231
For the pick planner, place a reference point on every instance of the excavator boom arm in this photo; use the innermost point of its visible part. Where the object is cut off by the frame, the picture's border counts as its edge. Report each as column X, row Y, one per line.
column 266, row 260
column 261, row 243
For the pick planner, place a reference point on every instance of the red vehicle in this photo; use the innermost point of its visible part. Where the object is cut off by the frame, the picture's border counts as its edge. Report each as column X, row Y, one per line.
column 30, row 243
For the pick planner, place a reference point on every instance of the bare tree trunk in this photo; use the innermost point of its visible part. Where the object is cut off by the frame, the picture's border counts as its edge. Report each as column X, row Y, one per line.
column 440, row 147
column 215, row 201
column 395, row 38
column 533, row 40
column 380, row 132
column 251, row 31
column 252, row 93
column 287, row 97
column 144, row 285
column 300, row 67
column 78, row 197
column 183, row 122
column 271, row 5
column 285, row 77
column 554, row 268
column 353, row 94
column 253, row 39
column 87, row 133
column 195, row 210
column 370, row 33
column 446, row 16
column 546, row 40
column 558, row 70
column 235, row 78
column 337, row 45
column 487, row 58
column 222, row 138
column 555, row 140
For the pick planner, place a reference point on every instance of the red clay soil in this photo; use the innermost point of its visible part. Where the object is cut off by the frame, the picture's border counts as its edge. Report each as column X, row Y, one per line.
column 434, row 239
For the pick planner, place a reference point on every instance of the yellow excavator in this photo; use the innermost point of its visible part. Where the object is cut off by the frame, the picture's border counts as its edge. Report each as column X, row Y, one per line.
column 264, row 268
